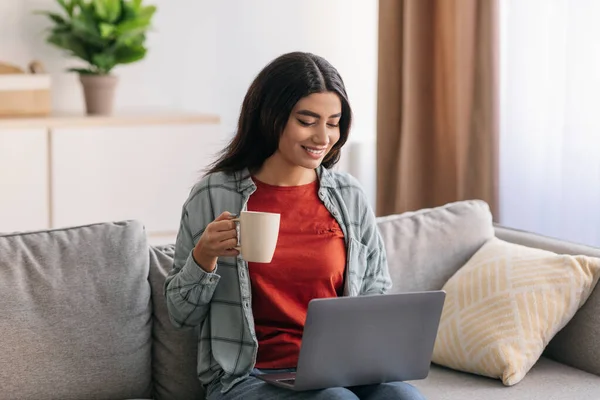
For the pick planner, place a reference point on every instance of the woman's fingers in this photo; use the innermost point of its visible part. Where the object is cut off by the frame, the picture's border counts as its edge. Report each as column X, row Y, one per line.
column 220, row 226
column 219, row 237
column 228, row 244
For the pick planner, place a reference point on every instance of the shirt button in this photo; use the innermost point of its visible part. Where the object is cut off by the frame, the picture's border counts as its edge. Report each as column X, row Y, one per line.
column 246, row 304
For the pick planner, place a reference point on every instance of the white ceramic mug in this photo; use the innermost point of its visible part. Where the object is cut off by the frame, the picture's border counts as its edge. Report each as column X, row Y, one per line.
column 258, row 235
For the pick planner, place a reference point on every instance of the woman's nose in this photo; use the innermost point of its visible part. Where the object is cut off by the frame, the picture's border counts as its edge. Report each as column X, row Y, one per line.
column 321, row 137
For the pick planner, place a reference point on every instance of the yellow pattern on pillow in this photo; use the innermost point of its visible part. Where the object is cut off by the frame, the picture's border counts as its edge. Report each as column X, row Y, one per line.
column 504, row 306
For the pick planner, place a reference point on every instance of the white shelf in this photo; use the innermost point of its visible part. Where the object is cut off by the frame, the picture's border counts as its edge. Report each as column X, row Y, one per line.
column 73, row 169
column 67, row 120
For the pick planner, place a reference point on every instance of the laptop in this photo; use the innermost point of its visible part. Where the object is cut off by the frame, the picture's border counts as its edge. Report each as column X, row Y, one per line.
column 351, row 341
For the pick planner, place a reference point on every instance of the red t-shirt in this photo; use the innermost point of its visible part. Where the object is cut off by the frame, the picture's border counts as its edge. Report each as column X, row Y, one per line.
column 309, row 262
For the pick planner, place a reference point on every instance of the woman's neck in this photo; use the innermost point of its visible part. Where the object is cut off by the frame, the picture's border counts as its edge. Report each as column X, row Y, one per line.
column 277, row 172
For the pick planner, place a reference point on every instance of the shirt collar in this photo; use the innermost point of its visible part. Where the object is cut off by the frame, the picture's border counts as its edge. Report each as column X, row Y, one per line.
column 244, row 179
column 325, row 177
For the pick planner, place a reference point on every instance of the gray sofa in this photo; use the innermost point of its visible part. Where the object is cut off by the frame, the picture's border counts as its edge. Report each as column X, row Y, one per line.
column 82, row 314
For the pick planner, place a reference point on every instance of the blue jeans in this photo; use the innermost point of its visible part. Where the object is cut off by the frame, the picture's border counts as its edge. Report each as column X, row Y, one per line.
column 253, row 388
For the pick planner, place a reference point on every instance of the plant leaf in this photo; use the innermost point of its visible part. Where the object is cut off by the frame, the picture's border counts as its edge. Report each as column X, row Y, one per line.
column 127, row 27
column 88, row 16
column 67, row 5
column 129, row 12
column 128, row 31
column 63, row 4
column 56, row 18
column 127, row 55
column 101, row 9
column 114, row 10
column 83, row 71
column 107, row 30
column 104, row 61
column 85, row 26
column 69, row 43
column 146, row 12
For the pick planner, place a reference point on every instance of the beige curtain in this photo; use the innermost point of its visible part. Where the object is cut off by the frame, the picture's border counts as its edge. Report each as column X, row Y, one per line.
column 437, row 116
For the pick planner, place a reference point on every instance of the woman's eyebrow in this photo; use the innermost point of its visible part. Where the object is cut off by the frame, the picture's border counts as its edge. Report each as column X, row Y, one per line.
column 315, row 115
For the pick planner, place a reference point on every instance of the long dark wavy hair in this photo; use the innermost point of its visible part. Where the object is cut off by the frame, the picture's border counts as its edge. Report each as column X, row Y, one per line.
column 269, row 103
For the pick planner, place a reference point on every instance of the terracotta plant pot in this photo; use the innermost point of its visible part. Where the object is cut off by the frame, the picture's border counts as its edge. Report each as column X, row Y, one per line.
column 99, row 93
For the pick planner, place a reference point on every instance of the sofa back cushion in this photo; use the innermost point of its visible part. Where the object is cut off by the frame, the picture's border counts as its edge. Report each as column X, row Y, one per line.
column 577, row 343
column 75, row 313
column 426, row 247
column 174, row 353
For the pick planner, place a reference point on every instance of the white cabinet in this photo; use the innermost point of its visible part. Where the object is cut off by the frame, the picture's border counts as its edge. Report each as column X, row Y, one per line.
column 23, row 179
column 87, row 170
column 107, row 174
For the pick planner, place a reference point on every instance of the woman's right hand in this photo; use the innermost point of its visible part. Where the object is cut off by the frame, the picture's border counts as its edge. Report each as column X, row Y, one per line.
column 218, row 240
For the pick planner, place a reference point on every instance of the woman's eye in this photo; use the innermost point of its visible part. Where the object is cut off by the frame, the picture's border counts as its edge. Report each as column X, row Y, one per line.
column 333, row 125
column 304, row 123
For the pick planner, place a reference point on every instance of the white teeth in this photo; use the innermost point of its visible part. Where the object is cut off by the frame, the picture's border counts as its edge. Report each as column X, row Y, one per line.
column 313, row 151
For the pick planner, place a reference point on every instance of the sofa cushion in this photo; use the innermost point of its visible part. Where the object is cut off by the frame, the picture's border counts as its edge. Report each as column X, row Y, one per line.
column 547, row 380
column 174, row 353
column 577, row 344
column 505, row 305
column 75, row 313
column 426, row 247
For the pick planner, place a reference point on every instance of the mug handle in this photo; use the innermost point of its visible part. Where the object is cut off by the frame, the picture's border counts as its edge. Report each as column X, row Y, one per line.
column 239, row 247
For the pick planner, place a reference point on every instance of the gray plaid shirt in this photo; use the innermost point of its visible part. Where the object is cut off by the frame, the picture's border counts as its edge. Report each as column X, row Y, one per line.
column 220, row 302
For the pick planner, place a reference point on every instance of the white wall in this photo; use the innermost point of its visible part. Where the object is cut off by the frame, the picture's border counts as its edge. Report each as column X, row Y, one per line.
column 204, row 54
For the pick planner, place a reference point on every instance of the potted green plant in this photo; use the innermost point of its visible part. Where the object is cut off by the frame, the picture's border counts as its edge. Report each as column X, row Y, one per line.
column 104, row 34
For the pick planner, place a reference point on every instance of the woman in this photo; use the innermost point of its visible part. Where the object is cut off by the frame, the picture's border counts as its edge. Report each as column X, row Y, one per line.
column 294, row 120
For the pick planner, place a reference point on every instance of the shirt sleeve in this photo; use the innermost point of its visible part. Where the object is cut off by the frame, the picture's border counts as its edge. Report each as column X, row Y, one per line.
column 188, row 288
column 377, row 277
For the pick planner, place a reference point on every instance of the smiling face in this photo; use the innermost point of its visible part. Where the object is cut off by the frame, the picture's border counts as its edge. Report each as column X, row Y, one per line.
column 311, row 130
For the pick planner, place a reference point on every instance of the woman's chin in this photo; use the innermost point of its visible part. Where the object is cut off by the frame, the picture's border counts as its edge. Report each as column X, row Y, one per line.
column 312, row 164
